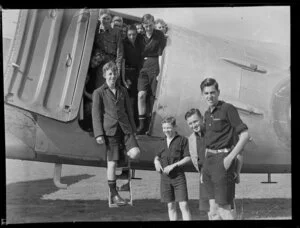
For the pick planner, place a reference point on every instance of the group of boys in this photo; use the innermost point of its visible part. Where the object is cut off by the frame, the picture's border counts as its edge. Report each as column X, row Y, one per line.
column 213, row 148
column 139, row 74
column 112, row 107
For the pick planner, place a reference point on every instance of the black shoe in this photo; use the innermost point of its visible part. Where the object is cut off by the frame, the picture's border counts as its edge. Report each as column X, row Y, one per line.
column 141, row 130
column 118, row 200
column 124, row 187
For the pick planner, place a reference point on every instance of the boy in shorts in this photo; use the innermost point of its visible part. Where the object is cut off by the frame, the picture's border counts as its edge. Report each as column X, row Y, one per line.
column 114, row 124
column 172, row 155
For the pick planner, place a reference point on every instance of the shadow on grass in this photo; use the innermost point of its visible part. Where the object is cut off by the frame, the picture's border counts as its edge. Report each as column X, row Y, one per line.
column 31, row 191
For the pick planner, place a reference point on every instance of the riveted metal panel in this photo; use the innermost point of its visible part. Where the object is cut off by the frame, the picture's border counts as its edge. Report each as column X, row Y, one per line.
column 42, row 70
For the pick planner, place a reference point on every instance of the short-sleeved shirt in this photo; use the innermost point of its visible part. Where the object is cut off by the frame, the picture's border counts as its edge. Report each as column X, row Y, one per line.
column 133, row 53
column 222, row 126
column 153, row 46
column 109, row 42
column 177, row 150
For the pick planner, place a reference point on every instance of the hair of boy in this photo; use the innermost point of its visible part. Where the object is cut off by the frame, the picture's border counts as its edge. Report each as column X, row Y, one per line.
column 147, row 18
column 117, row 18
column 169, row 119
column 161, row 21
column 192, row 112
column 103, row 11
column 131, row 27
column 110, row 66
column 209, row 82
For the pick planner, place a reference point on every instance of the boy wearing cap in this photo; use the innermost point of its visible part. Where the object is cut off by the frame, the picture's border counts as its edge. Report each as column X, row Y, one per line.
column 172, row 155
column 222, row 125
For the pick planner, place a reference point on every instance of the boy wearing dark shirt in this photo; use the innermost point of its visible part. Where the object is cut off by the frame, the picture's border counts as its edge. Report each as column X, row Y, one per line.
column 222, row 125
column 172, row 155
column 154, row 43
column 132, row 64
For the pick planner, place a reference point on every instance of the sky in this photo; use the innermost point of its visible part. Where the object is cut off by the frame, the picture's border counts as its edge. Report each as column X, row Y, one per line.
column 263, row 23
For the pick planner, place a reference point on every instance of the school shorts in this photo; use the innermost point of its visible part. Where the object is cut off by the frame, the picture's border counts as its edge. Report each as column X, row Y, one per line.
column 219, row 182
column 147, row 78
column 116, row 144
column 173, row 189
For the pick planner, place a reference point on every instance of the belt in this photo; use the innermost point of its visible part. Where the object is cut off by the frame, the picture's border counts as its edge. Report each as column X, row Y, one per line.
column 224, row 150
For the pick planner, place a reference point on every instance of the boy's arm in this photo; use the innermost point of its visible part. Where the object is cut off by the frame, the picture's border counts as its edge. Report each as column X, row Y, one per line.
column 243, row 139
column 97, row 114
column 120, row 52
column 123, row 74
column 157, row 164
column 241, row 129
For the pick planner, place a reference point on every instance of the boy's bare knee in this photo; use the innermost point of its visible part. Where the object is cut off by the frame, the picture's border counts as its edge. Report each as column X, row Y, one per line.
column 142, row 95
column 134, row 153
column 172, row 206
column 183, row 205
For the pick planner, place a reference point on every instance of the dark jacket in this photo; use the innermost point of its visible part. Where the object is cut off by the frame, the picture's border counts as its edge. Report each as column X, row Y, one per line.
column 108, row 111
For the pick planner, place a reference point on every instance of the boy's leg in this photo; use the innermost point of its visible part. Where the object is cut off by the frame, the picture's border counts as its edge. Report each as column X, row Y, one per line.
column 213, row 213
column 172, row 211
column 185, row 211
column 225, row 212
column 224, row 189
column 143, row 85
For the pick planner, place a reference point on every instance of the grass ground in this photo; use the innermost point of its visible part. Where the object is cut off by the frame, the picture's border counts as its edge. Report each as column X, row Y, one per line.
column 31, row 196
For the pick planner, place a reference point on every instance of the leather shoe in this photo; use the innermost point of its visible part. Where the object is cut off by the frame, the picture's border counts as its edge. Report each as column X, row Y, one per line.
column 118, row 200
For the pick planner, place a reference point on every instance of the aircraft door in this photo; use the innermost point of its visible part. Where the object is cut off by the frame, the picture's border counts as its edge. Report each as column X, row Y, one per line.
column 45, row 61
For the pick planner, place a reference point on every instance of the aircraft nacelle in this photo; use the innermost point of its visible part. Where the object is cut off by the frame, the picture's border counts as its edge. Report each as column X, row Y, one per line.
column 45, row 74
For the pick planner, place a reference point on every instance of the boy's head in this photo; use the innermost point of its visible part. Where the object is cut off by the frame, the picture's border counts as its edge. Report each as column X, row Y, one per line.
column 131, row 33
column 194, row 119
column 148, row 23
column 210, row 91
column 117, row 22
column 96, row 60
column 161, row 25
column 105, row 18
column 169, row 126
column 139, row 28
column 110, row 73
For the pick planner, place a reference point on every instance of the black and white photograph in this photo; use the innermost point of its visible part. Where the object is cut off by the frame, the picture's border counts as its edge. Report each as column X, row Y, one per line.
column 147, row 114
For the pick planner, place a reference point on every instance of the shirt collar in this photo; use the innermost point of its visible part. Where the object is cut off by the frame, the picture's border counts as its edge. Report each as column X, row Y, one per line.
column 102, row 29
column 217, row 106
column 105, row 86
column 176, row 135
